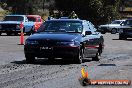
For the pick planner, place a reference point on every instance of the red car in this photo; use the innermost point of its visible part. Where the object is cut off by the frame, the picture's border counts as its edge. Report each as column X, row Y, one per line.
column 36, row 20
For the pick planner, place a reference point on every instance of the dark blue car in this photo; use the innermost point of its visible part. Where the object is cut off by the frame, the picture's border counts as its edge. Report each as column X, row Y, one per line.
column 69, row 39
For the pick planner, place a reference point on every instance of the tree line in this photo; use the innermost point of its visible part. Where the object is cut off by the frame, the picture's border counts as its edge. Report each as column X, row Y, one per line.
column 96, row 11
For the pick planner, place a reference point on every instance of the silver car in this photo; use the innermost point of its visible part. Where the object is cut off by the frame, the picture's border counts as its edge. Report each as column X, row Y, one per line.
column 113, row 27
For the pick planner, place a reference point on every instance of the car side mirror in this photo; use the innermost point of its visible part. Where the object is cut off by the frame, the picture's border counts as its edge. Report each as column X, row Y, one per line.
column 122, row 24
column 88, row 33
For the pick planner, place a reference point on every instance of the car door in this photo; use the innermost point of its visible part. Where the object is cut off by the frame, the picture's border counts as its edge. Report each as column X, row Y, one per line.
column 91, row 41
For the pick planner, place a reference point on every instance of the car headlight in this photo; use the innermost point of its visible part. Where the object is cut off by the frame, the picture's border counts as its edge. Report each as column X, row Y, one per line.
column 17, row 26
column 0, row 27
column 31, row 42
column 120, row 30
column 66, row 43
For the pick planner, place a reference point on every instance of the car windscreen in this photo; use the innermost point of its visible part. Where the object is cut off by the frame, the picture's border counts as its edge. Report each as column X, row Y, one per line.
column 13, row 18
column 127, row 22
column 31, row 19
column 116, row 22
column 62, row 26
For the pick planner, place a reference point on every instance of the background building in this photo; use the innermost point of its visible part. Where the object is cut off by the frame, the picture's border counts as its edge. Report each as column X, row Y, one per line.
column 126, row 9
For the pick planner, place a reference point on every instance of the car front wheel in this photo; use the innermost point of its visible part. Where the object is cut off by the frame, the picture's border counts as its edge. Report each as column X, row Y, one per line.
column 122, row 37
column 79, row 57
column 113, row 31
column 29, row 58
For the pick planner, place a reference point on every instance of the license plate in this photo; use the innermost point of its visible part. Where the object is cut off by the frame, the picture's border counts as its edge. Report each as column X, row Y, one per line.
column 46, row 48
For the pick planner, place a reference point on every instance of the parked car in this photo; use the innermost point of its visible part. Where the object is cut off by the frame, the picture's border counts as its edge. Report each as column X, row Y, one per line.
column 69, row 39
column 11, row 25
column 35, row 20
column 126, row 29
column 112, row 28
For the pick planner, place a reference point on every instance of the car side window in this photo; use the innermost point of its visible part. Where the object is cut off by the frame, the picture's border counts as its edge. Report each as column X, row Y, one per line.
column 91, row 27
column 129, row 22
column 86, row 27
column 39, row 20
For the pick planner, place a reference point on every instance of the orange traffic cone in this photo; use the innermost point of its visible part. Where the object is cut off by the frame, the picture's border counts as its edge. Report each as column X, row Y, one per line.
column 21, row 34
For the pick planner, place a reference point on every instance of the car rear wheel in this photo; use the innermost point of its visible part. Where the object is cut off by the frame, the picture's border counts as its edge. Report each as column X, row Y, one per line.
column 113, row 31
column 122, row 37
column 78, row 59
column 97, row 57
column 29, row 58
column 103, row 32
column 0, row 33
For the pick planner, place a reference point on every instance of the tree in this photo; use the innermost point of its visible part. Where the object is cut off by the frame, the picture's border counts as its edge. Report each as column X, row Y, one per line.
column 29, row 6
column 96, row 11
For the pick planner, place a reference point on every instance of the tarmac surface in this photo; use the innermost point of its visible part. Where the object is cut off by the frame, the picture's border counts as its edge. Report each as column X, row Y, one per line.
column 115, row 63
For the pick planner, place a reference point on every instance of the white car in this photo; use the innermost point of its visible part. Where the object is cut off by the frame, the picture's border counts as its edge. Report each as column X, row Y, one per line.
column 113, row 27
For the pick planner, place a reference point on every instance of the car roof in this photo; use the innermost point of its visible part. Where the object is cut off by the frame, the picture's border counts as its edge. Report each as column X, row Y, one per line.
column 120, row 20
column 33, row 16
column 65, row 20
column 15, row 15
column 129, row 19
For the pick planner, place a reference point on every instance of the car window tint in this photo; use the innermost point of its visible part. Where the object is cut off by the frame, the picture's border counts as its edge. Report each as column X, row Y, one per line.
column 31, row 19
column 129, row 22
column 116, row 22
column 63, row 26
column 86, row 27
column 93, row 29
column 42, row 27
column 14, row 18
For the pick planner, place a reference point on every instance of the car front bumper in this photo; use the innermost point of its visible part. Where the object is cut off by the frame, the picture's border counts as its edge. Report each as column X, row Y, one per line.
column 127, row 34
column 5, row 30
column 47, row 52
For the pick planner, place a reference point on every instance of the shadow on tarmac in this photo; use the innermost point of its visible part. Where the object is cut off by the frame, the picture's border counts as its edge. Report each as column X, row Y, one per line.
column 123, row 40
column 107, row 65
column 47, row 62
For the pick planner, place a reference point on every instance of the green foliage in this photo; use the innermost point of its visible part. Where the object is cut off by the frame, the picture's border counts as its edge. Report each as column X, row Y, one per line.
column 26, row 6
column 3, row 13
column 97, row 11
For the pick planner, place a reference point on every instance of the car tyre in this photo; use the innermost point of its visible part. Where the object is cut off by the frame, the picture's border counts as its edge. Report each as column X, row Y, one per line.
column 113, row 31
column 100, row 50
column 122, row 37
column 79, row 58
column 103, row 32
column 97, row 57
column 29, row 58
column 0, row 33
